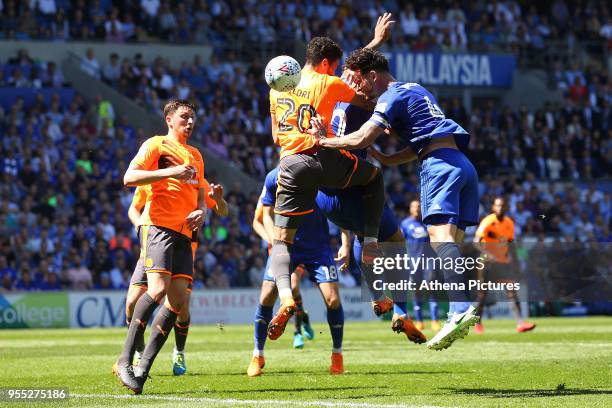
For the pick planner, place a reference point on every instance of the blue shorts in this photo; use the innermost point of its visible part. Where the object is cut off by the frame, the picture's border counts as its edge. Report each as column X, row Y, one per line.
column 318, row 272
column 449, row 189
column 344, row 208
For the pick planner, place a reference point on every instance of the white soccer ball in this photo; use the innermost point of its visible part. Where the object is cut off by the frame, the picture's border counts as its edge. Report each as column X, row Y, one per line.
column 283, row 73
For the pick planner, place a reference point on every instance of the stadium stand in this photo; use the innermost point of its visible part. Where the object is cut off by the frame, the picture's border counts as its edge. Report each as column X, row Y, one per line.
column 508, row 26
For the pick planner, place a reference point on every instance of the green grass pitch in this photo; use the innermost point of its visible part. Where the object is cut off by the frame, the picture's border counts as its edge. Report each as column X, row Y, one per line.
column 564, row 362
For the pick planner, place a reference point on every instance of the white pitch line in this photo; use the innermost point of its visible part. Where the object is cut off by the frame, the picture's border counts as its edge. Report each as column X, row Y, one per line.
column 234, row 401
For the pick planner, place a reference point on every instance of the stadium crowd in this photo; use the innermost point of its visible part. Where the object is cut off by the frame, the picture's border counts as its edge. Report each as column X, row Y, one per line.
column 569, row 140
column 451, row 25
column 63, row 207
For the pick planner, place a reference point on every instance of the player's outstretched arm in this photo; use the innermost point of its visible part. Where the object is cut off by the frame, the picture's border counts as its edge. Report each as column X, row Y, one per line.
column 403, row 156
column 360, row 139
column 382, row 31
column 136, row 176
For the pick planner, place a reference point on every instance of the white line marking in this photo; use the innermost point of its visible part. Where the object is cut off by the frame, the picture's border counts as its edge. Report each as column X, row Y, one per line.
column 234, row 401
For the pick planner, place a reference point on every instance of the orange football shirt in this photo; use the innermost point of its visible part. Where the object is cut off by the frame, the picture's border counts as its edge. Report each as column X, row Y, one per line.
column 315, row 94
column 496, row 235
column 170, row 200
column 141, row 194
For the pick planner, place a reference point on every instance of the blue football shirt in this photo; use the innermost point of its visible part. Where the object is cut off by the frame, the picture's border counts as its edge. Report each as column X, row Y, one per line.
column 347, row 119
column 413, row 113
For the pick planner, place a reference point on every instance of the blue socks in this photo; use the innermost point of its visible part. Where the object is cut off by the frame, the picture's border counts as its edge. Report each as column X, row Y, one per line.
column 263, row 315
column 433, row 309
column 418, row 311
column 335, row 319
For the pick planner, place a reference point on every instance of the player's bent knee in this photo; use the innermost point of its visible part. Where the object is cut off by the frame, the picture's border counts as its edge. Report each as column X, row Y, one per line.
column 175, row 302
column 331, row 296
column 157, row 293
column 333, row 302
column 134, row 293
column 175, row 306
column 184, row 314
column 268, row 294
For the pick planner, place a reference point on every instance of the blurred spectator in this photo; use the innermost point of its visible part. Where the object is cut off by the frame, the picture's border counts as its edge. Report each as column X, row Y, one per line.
column 52, row 77
column 90, row 64
column 8, row 275
column 79, row 276
column 25, row 281
column 256, row 272
column 104, row 283
column 112, row 70
column 218, row 279
column 50, row 282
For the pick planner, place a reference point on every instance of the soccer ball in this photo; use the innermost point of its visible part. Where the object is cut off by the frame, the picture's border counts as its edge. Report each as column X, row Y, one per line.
column 283, row 73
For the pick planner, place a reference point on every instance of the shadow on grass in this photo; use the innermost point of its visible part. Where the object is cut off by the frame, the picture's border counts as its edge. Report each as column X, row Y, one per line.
column 243, row 373
column 409, row 372
column 317, row 373
column 267, row 389
column 538, row 393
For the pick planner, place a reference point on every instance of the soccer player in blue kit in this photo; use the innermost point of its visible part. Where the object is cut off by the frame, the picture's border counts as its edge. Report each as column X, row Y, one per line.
column 449, row 182
column 417, row 241
column 344, row 208
column 311, row 249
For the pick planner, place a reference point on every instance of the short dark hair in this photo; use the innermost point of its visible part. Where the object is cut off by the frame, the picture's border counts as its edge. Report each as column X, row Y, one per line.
column 174, row 104
column 320, row 48
column 366, row 60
